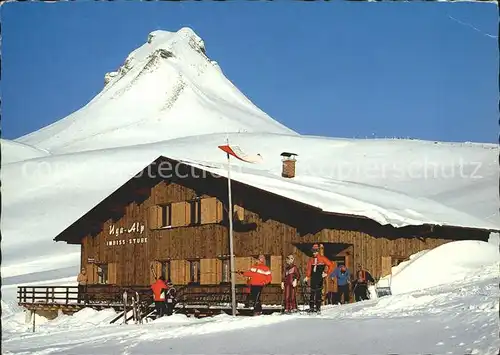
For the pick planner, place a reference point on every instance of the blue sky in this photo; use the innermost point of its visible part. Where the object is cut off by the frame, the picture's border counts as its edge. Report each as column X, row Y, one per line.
column 335, row 69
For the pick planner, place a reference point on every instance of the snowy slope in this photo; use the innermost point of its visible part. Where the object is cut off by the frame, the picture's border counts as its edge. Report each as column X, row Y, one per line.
column 458, row 317
column 456, row 258
column 13, row 151
column 166, row 88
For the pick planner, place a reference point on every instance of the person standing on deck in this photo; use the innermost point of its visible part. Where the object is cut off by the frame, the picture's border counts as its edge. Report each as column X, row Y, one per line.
column 260, row 276
column 82, row 280
column 317, row 269
column 361, row 284
column 159, row 289
column 343, row 277
column 289, row 284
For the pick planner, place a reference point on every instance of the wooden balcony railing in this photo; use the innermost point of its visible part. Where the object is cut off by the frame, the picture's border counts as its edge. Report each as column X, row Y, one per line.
column 100, row 296
column 69, row 295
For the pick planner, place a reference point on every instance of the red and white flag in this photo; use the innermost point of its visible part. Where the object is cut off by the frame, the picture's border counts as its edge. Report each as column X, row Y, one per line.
column 236, row 152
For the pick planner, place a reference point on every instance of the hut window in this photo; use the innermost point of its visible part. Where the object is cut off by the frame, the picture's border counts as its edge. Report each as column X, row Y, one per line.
column 195, row 215
column 102, row 274
column 165, row 270
column 166, row 215
column 268, row 260
column 398, row 260
column 194, row 271
column 226, row 270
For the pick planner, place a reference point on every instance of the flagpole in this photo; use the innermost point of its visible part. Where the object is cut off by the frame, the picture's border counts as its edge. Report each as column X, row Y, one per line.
column 231, row 252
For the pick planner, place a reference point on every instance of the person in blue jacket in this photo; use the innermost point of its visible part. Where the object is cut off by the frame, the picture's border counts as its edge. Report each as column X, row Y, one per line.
column 341, row 273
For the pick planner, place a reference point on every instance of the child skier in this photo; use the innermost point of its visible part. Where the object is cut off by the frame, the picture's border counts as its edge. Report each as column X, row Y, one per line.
column 289, row 284
column 170, row 298
column 318, row 268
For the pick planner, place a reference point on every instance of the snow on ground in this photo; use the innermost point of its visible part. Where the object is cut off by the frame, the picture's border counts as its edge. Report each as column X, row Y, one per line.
column 458, row 317
column 13, row 151
column 406, row 276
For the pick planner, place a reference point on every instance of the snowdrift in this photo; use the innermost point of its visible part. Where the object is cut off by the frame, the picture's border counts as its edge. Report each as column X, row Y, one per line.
column 449, row 263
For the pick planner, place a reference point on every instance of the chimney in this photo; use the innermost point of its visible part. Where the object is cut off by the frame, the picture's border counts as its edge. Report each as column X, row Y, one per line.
column 288, row 167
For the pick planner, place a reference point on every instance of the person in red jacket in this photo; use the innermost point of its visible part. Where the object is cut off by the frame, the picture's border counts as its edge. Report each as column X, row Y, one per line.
column 318, row 267
column 260, row 276
column 289, row 284
column 159, row 289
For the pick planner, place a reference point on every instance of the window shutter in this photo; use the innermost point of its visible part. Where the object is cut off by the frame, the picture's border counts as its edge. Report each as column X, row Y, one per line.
column 187, row 214
column 187, row 272
column 175, row 271
column 208, row 271
column 218, row 271
column 239, row 213
column 92, row 273
column 386, row 265
column 209, row 210
column 178, row 214
column 112, row 273
column 181, row 214
column 180, row 272
column 219, row 212
column 243, row 264
column 276, row 269
column 155, row 217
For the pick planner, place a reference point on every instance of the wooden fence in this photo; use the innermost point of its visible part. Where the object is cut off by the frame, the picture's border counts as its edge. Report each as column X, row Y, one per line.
column 98, row 295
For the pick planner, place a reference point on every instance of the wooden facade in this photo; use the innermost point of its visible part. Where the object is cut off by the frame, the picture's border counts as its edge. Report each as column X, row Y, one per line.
column 177, row 225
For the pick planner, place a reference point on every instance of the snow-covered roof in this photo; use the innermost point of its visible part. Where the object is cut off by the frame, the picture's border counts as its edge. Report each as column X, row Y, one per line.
column 44, row 196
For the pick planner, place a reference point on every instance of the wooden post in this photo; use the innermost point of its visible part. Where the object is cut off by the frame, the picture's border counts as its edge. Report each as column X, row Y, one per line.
column 231, row 247
column 134, row 312
column 138, row 308
column 34, row 316
column 125, row 307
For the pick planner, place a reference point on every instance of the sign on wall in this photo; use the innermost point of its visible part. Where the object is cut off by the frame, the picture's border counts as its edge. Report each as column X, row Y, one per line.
column 135, row 228
column 127, row 241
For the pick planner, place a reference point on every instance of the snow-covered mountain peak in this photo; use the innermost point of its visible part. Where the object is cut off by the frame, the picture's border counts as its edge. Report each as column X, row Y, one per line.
column 166, row 88
column 184, row 45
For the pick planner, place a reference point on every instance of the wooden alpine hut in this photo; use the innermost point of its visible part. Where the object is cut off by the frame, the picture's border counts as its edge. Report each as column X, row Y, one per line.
column 177, row 225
